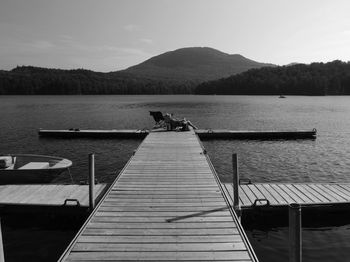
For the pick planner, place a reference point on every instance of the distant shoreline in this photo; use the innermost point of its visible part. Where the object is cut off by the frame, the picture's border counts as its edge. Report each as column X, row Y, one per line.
column 317, row 79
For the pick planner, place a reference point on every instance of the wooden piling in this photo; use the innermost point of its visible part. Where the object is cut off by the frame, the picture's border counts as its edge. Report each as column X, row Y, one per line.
column 295, row 239
column 2, row 257
column 236, row 205
column 91, row 181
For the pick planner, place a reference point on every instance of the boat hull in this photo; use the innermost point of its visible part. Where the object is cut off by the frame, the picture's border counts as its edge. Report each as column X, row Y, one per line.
column 26, row 177
column 33, row 169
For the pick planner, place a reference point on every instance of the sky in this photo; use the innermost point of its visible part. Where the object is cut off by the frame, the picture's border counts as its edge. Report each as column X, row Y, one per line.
column 109, row 35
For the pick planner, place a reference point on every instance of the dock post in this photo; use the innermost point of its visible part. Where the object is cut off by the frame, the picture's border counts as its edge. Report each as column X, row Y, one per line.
column 295, row 239
column 236, row 206
column 2, row 257
column 91, row 182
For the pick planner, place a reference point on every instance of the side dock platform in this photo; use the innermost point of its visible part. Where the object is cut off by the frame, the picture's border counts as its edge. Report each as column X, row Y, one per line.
column 167, row 204
column 36, row 198
column 202, row 134
column 276, row 196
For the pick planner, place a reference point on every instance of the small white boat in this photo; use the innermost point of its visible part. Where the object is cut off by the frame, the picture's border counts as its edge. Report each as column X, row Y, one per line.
column 31, row 169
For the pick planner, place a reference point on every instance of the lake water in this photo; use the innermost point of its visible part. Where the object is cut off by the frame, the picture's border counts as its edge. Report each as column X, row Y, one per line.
column 325, row 159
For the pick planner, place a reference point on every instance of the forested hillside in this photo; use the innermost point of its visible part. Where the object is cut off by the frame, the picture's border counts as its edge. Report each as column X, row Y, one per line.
column 331, row 78
column 175, row 72
column 33, row 80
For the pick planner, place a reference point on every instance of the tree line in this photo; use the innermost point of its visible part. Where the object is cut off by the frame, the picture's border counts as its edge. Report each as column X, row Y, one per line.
column 27, row 80
column 331, row 78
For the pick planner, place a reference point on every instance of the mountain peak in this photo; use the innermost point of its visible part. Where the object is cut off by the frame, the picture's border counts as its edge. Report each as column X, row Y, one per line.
column 193, row 63
column 184, row 57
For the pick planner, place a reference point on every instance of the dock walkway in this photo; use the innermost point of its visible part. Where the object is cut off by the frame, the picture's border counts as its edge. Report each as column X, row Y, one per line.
column 166, row 205
column 280, row 195
column 202, row 133
column 47, row 195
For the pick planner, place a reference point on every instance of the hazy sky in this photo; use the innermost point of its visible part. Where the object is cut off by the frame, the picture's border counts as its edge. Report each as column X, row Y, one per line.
column 107, row 35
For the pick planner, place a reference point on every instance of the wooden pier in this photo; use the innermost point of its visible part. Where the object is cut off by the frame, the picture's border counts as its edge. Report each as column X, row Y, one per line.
column 87, row 133
column 280, row 195
column 207, row 134
column 48, row 195
column 202, row 133
column 166, row 205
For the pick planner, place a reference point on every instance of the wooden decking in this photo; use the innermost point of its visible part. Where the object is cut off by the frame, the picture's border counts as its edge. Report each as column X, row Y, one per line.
column 202, row 133
column 166, row 205
column 78, row 133
column 250, row 134
column 47, row 194
column 282, row 194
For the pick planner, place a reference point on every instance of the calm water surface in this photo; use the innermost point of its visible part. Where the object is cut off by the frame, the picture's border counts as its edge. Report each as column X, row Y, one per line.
column 325, row 159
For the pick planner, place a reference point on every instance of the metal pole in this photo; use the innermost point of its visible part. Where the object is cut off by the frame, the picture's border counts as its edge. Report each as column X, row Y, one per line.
column 295, row 239
column 236, row 206
column 2, row 257
column 91, row 181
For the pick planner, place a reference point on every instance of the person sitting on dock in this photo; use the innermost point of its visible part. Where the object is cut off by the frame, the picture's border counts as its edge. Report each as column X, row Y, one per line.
column 158, row 118
column 177, row 124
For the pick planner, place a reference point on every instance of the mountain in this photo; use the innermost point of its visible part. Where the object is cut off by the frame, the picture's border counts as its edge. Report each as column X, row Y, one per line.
column 197, row 64
column 175, row 72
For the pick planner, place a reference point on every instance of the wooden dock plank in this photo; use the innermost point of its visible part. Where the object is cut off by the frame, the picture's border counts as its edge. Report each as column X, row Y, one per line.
column 339, row 193
column 165, row 247
column 274, row 193
column 312, row 190
column 280, row 194
column 20, row 194
column 46, row 194
column 161, row 256
column 159, row 219
column 343, row 189
column 167, row 214
column 309, row 193
column 257, row 193
column 161, row 239
column 183, row 225
column 156, row 208
column 268, row 195
column 90, row 231
column 242, row 196
column 204, row 205
column 284, row 194
column 288, row 189
column 166, row 205
column 324, row 192
column 250, row 195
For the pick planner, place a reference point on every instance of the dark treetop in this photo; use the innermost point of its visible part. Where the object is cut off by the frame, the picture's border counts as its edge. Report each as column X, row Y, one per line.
column 315, row 79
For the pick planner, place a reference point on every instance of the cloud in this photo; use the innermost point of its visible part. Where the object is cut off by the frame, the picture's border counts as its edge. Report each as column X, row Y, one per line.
column 133, row 51
column 41, row 45
column 66, row 51
column 131, row 27
column 66, row 38
column 346, row 32
column 146, row 41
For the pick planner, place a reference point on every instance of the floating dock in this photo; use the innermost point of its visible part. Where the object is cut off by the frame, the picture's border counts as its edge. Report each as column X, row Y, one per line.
column 280, row 195
column 47, row 195
column 166, row 205
column 206, row 134
column 84, row 133
column 202, row 133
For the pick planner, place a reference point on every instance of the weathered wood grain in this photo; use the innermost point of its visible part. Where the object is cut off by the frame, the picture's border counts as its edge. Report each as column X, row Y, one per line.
column 46, row 194
column 165, row 206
